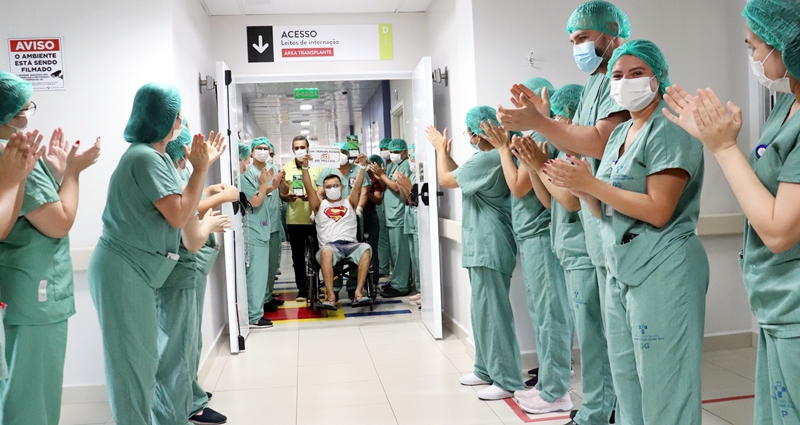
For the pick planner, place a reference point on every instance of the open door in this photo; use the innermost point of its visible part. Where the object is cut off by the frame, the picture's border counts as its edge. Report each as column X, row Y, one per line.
column 234, row 240
column 430, row 266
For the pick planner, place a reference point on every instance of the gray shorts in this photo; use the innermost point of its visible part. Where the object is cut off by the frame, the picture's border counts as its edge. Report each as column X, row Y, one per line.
column 345, row 250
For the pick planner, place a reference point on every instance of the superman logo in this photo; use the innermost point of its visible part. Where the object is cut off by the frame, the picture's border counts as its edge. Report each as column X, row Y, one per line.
column 336, row 213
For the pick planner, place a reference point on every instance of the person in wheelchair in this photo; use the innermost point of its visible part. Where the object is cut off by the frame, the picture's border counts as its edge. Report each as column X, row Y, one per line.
column 337, row 226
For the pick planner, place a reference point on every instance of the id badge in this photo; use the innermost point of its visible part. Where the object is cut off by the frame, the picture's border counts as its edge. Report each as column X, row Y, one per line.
column 609, row 210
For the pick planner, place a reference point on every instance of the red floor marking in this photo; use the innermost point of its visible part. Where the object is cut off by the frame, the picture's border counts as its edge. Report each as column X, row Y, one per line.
column 722, row 400
column 528, row 420
column 295, row 314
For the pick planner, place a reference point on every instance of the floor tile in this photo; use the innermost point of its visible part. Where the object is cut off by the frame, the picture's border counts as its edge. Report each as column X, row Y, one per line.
column 451, row 345
column 336, row 373
column 460, row 410
column 85, row 413
column 406, row 350
column 345, row 354
column 408, row 389
column 390, row 327
column 388, row 369
column 277, row 357
column 326, row 342
column 341, row 394
column 463, row 362
column 739, row 364
column 249, row 407
column 738, row 412
column 253, row 379
column 720, row 383
column 396, row 337
column 373, row 414
column 711, row 419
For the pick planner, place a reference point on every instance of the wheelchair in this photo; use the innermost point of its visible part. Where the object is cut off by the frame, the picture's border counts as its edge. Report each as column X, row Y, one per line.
column 342, row 270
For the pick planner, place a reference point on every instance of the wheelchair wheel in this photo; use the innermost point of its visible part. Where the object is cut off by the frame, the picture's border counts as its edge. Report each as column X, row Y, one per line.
column 312, row 277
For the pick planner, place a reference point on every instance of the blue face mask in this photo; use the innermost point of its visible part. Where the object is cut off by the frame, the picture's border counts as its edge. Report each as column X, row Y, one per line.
column 474, row 146
column 586, row 56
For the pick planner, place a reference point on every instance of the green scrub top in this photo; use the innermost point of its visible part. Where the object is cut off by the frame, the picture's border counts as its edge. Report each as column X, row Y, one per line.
column 394, row 207
column 487, row 234
column 273, row 202
column 660, row 145
column 348, row 181
column 529, row 217
column 206, row 256
column 772, row 279
column 595, row 105
column 36, row 270
column 259, row 221
column 132, row 225
column 567, row 237
column 410, row 225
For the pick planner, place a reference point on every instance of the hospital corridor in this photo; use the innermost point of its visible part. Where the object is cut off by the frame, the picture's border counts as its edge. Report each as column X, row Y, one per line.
column 408, row 212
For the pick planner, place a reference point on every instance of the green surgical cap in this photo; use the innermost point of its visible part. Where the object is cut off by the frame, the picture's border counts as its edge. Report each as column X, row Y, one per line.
column 398, row 145
column 261, row 141
column 376, row 159
column 155, row 108
column 175, row 147
column 244, row 151
column 341, row 145
column 564, row 101
column 651, row 55
column 384, row 144
column 536, row 85
column 14, row 94
column 479, row 114
column 777, row 22
column 600, row 16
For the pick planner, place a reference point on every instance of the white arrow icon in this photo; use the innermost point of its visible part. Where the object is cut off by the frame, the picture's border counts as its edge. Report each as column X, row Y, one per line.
column 260, row 47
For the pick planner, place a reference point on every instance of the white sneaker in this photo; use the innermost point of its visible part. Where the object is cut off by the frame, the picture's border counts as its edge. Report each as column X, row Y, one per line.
column 494, row 393
column 538, row 406
column 471, row 379
column 531, row 393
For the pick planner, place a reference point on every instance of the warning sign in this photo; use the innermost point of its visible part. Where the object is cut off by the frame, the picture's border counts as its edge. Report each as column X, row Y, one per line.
column 38, row 61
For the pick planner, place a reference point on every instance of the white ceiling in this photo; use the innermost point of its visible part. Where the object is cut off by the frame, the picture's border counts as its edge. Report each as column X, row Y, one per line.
column 279, row 116
column 299, row 7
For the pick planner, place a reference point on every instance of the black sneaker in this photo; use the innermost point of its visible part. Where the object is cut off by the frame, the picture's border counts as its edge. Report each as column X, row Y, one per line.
column 261, row 324
column 533, row 372
column 393, row 293
column 301, row 296
column 208, row 417
column 532, row 382
column 572, row 414
column 277, row 301
column 571, row 423
column 270, row 307
column 208, row 394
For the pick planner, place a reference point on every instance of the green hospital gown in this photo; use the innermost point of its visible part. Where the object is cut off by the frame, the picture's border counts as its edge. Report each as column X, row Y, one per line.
column 259, row 226
column 489, row 252
column 657, row 282
column 395, row 209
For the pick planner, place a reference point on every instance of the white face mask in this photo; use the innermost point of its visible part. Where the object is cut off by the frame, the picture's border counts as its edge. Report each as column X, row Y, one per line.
column 270, row 160
column 300, row 154
column 334, row 193
column 633, row 94
column 385, row 154
column 175, row 134
column 343, row 159
column 396, row 157
column 261, row 155
column 782, row 85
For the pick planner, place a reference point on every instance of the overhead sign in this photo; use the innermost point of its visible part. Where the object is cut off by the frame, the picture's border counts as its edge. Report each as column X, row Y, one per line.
column 38, row 61
column 324, row 157
column 306, row 93
column 302, row 43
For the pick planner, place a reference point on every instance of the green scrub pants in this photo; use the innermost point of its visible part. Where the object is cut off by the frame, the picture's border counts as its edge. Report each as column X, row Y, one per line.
column 177, row 313
column 497, row 357
column 257, row 278
column 413, row 251
column 126, row 309
column 384, row 254
column 598, row 389
column 35, row 356
column 274, row 263
column 777, row 380
column 655, row 340
column 200, row 398
column 548, row 307
column 398, row 243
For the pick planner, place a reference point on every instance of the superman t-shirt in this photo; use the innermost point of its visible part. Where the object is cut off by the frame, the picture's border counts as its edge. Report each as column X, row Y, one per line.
column 336, row 221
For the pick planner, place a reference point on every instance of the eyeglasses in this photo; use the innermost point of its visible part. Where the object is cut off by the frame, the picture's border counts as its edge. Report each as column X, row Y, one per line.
column 30, row 110
column 335, row 186
column 468, row 134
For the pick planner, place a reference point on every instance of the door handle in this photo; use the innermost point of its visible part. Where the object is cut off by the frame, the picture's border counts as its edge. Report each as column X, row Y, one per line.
column 424, row 194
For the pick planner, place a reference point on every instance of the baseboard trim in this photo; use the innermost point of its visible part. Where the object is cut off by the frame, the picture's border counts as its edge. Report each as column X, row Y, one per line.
column 728, row 341
column 99, row 393
column 460, row 333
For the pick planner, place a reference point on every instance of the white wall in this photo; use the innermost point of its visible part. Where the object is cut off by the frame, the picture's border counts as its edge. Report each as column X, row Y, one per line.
column 707, row 52
column 110, row 50
column 229, row 42
column 400, row 92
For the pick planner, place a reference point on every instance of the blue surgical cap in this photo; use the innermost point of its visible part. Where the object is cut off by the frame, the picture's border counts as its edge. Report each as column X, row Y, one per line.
column 342, row 146
column 261, row 141
column 564, row 101
column 14, row 94
column 651, row 55
column 175, row 147
column 398, row 145
column 384, row 144
column 777, row 22
column 600, row 16
column 155, row 108
column 244, row 151
column 536, row 85
column 478, row 115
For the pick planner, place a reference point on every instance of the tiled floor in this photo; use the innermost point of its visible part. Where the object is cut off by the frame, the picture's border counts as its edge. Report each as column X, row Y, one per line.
column 391, row 373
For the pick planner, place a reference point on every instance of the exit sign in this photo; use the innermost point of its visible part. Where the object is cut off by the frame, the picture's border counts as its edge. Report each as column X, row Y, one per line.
column 306, row 93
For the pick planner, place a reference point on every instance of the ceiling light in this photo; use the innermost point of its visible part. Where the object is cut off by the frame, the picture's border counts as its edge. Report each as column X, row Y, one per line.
column 304, row 132
column 306, row 107
column 305, row 123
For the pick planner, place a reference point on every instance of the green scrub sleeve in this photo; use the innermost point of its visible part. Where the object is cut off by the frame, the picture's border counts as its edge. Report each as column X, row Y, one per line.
column 790, row 173
column 40, row 189
column 156, row 178
column 670, row 147
column 250, row 183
